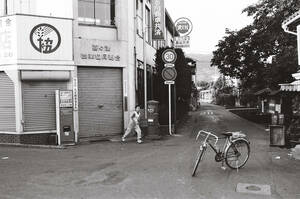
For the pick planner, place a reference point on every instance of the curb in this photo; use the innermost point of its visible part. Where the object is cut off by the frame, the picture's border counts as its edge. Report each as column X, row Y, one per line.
column 32, row 146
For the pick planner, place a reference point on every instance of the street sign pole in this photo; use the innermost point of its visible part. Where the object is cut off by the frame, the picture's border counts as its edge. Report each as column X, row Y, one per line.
column 170, row 111
column 169, row 74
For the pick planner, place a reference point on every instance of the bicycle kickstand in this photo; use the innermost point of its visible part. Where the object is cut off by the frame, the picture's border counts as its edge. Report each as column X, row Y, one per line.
column 223, row 167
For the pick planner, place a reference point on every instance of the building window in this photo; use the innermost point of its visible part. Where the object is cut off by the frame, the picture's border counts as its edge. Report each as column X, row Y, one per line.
column 97, row 12
column 3, row 7
column 148, row 25
column 139, row 17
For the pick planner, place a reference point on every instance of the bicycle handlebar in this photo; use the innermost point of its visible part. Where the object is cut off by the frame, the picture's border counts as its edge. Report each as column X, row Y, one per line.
column 208, row 134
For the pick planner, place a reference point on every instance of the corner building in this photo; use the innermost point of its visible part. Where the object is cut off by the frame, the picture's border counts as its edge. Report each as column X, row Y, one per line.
column 92, row 47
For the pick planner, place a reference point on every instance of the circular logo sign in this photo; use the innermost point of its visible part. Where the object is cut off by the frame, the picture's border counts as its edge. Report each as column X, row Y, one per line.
column 169, row 56
column 169, row 74
column 183, row 26
column 45, row 38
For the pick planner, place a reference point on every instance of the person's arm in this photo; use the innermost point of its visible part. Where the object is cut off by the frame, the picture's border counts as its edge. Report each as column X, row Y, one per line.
column 132, row 115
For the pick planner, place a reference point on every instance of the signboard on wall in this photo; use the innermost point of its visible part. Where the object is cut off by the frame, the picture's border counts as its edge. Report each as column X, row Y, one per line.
column 44, row 38
column 94, row 52
column 8, row 50
column 158, row 19
column 66, row 99
column 182, row 42
column 24, row 37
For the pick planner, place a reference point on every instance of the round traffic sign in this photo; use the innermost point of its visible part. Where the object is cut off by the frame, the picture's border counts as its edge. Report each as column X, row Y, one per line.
column 169, row 56
column 183, row 26
column 169, row 74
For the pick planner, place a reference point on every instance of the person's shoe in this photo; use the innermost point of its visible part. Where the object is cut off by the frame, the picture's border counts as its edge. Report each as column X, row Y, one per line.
column 139, row 141
column 123, row 139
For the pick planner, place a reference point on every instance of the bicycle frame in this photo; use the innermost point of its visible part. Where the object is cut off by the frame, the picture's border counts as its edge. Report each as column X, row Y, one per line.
column 214, row 147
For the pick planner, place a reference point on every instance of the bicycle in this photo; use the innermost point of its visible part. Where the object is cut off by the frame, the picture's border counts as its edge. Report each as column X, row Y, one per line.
column 235, row 152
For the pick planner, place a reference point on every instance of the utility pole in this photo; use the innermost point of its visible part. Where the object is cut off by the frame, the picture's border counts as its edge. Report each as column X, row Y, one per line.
column 145, row 70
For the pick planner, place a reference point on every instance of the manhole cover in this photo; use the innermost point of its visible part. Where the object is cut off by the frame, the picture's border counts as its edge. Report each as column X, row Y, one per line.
column 253, row 188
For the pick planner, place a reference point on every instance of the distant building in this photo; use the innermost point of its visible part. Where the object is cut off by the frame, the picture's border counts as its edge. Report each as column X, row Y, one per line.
column 206, row 95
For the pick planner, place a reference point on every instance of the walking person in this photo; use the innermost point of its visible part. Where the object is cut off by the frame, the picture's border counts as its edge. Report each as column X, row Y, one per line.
column 134, row 125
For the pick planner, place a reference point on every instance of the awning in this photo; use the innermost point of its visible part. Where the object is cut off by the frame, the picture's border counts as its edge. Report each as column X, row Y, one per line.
column 294, row 86
column 264, row 91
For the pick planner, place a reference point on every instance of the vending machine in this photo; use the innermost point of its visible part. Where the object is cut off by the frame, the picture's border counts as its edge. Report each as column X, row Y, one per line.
column 64, row 117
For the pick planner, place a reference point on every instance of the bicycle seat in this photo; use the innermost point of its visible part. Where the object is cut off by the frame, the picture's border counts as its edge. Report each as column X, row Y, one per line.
column 227, row 134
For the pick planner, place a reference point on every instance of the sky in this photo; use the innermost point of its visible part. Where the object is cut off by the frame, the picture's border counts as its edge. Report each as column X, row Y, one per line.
column 210, row 18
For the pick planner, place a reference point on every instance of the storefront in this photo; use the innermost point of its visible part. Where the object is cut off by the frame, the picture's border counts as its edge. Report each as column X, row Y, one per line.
column 292, row 26
column 35, row 60
column 100, row 88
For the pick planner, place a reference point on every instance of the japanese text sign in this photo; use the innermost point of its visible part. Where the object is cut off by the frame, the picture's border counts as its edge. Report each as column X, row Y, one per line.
column 94, row 52
column 158, row 19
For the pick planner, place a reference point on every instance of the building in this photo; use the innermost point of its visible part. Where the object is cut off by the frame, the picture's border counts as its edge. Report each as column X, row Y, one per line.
column 291, row 106
column 97, row 49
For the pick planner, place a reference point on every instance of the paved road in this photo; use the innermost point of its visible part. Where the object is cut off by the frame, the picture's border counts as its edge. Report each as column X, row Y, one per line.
column 155, row 169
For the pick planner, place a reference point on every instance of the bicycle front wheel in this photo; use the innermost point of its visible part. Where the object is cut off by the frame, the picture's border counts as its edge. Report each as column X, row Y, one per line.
column 198, row 159
column 237, row 154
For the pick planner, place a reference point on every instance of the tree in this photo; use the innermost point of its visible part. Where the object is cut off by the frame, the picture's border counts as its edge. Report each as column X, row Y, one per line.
column 244, row 53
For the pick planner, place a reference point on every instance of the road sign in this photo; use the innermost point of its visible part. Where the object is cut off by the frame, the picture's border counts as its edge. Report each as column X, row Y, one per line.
column 169, row 82
column 182, row 42
column 183, row 26
column 169, row 56
column 169, row 74
column 169, row 65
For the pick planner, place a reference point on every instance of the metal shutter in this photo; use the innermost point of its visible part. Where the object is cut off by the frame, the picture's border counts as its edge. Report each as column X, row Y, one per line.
column 100, row 102
column 7, row 104
column 39, row 105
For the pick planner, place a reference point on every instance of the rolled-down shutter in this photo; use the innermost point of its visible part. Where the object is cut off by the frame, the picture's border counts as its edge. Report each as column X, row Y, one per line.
column 100, row 101
column 39, row 105
column 7, row 104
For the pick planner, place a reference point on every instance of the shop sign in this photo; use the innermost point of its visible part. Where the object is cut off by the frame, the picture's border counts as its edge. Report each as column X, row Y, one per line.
column 65, row 99
column 183, row 26
column 45, row 38
column 158, row 19
column 7, row 39
column 93, row 52
column 26, row 37
column 182, row 42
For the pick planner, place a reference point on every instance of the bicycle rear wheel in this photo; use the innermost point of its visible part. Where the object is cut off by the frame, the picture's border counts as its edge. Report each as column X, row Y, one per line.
column 198, row 159
column 237, row 154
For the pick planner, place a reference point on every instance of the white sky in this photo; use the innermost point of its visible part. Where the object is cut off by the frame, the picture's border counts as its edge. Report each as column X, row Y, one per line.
column 209, row 18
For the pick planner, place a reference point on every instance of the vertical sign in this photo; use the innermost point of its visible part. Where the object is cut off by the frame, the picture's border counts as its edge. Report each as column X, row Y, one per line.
column 158, row 19
column 7, row 38
column 298, row 32
column 75, row 93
